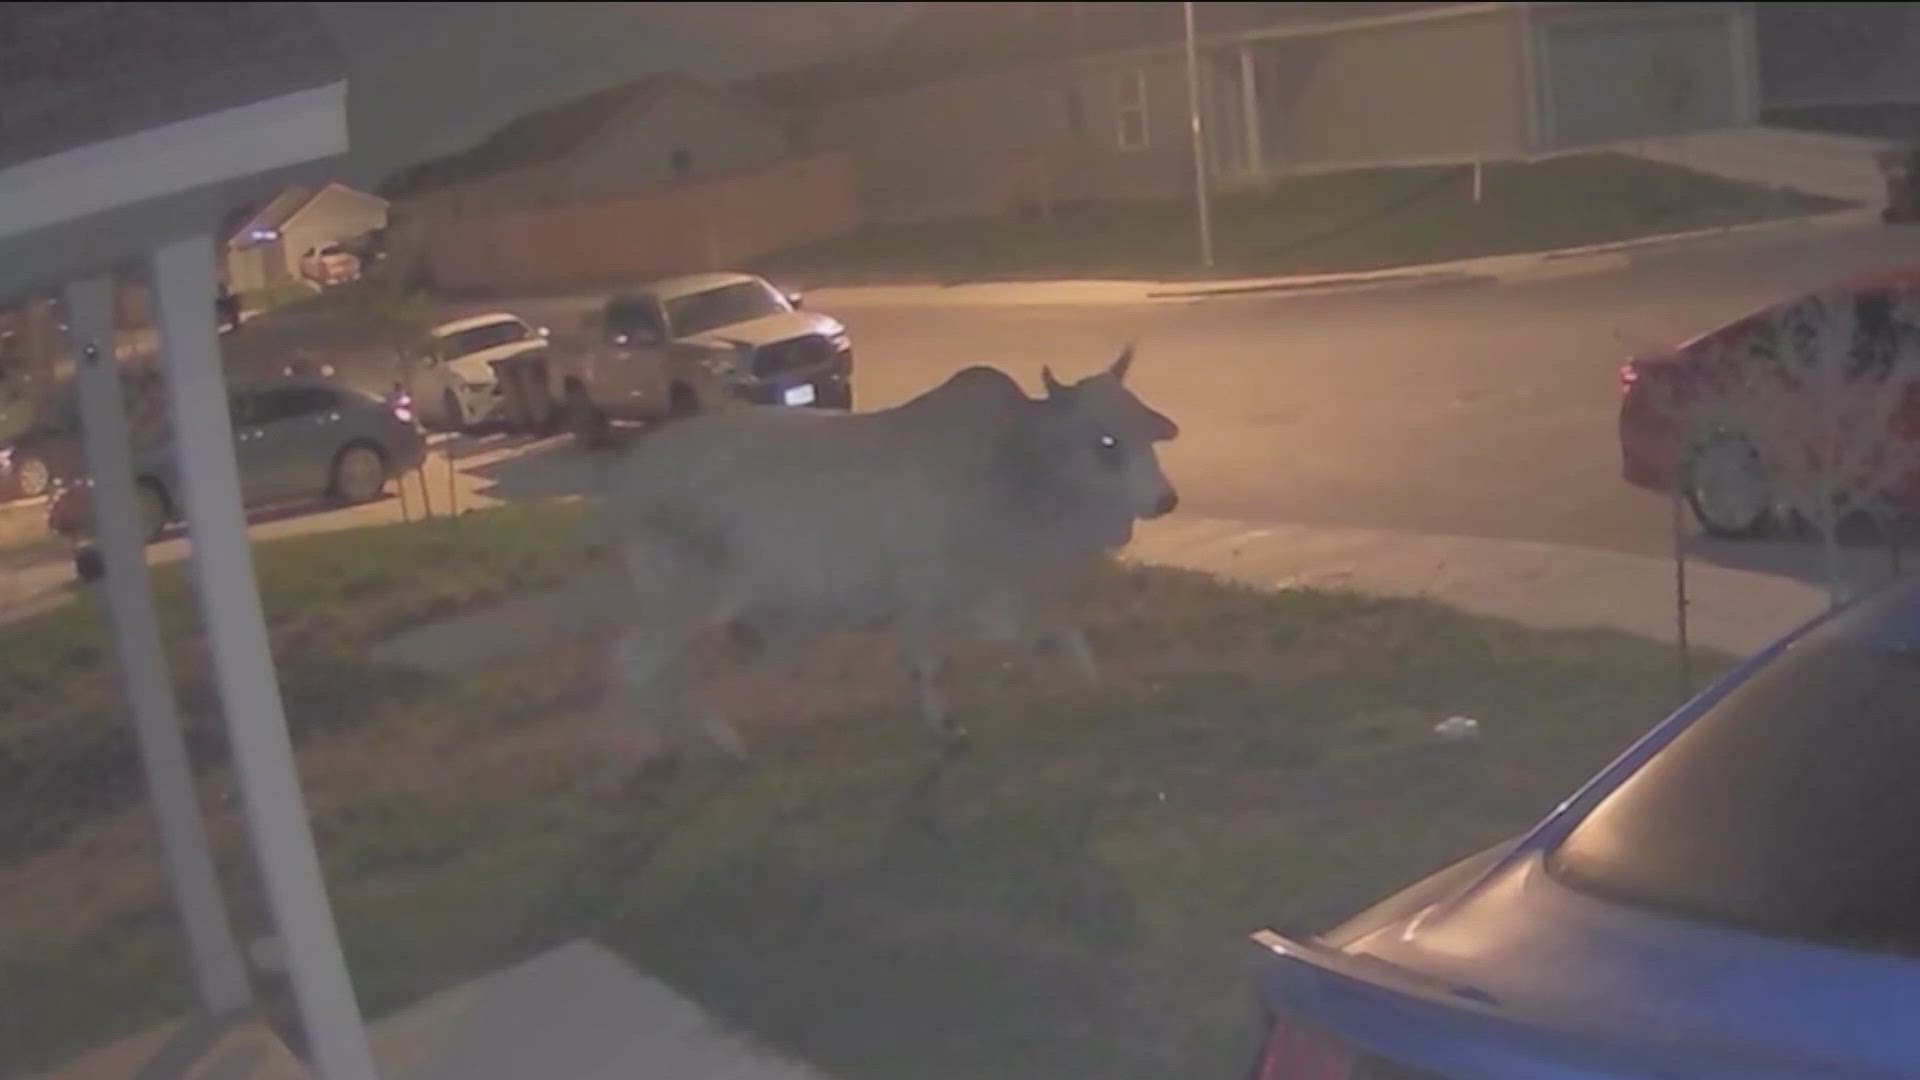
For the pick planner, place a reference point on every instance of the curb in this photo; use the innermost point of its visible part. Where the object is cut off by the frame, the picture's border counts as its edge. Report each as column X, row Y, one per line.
column 1479, row 270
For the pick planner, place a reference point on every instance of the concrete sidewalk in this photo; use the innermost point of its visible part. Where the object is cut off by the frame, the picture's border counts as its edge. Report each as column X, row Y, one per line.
column 1820, row 163
column 1483, row 270
column 1542, row 585
column 576, row 1012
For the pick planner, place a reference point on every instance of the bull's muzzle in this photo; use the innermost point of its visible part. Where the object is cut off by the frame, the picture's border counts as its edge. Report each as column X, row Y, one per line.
column 1166, row 504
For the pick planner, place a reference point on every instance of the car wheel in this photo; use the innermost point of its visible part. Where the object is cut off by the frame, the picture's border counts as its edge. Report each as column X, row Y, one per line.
column 154, row 508
column 1728, row 488
column 682, row 402
column 88, row 565
column 452, row 415
column 31, row 475
column 537, row 412
column 587, row 423
column 359, row 474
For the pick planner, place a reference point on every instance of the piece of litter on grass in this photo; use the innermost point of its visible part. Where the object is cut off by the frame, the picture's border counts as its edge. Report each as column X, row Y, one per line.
column 1457, row 727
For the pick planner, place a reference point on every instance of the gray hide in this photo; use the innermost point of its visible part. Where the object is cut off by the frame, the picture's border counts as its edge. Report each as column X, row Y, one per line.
column 962, row 510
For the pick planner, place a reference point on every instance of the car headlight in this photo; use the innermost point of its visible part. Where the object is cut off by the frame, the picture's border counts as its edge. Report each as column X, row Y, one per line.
column 841, row 342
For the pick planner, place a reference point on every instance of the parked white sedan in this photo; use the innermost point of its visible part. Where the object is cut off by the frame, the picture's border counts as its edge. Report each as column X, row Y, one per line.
column 458, row 381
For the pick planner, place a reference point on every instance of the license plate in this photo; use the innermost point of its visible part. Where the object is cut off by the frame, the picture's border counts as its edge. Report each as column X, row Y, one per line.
column 800, row 395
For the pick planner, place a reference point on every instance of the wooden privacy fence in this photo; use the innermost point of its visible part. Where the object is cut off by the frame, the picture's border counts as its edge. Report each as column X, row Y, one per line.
column 708, row 224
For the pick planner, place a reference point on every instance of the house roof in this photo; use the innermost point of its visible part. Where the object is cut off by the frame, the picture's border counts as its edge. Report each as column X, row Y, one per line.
column 948, row 40
column 289, row 204
column 536, row 138
column 79, row 73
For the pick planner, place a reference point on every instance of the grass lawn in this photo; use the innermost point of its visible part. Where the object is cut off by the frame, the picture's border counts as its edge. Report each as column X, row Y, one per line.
column 1070, row 898
column 1359, row 220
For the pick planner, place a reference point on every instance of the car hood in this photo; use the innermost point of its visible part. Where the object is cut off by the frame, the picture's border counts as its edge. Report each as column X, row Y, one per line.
column 478, row 366
column 769, row 329
column 1542, row 950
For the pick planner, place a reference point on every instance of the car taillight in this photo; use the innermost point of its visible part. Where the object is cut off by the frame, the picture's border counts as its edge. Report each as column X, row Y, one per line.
column 1629, row 374
column 1297, row 1051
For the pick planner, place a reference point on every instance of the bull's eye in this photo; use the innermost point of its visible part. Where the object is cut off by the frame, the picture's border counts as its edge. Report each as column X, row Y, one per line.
column 1108, row 448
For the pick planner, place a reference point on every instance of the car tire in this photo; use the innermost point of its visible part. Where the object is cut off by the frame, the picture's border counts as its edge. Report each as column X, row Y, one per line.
column 31, row 475
column 88, row 566
column 156, row 510
column 1727, row 488
column 453, row 417
column 359, row 474
column 587, row 423
column 682, row 402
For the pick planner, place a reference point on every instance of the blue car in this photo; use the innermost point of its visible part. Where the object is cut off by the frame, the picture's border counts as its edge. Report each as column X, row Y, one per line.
column 1737, row 897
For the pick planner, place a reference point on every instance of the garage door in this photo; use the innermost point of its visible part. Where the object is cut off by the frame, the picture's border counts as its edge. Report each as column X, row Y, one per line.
column 1628, row 78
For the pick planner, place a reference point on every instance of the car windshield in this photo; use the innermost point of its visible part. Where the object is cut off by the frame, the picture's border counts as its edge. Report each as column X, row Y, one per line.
column 697, row 313
column 1788, row 808
column 486, row 336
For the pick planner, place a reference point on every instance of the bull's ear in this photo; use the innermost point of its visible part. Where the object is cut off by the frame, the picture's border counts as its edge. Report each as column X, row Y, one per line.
column 1123, row 362
column 1161, row 428
column 1054, row 389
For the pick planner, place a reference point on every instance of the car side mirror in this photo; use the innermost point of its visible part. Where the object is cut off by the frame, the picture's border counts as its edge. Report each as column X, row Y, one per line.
column 795, row 299
column 544, row 332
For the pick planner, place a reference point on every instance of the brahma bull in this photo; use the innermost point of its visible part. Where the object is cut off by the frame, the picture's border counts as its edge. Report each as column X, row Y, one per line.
column 967, row 508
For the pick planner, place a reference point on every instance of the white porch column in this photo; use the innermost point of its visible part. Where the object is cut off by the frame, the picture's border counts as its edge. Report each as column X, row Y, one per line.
column 219, row 971
column 1532, row 85
column 1250, row 114
column 184, row 286
column 1741, row 39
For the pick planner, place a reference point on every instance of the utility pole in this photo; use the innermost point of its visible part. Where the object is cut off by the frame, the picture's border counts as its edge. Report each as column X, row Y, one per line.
column 1201, row 178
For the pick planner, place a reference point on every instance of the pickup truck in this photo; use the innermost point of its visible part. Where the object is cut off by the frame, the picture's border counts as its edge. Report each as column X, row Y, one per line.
column 702, row 341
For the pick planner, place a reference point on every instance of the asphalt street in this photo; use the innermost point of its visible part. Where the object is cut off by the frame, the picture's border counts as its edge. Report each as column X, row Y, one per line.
column 1478, row 410
column 1472, row 411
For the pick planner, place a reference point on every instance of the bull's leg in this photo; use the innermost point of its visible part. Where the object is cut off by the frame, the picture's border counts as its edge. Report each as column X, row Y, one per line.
column 650, row 661
column 923, row 661
column 1069, row 643
column 641, row 660
column 923, row 672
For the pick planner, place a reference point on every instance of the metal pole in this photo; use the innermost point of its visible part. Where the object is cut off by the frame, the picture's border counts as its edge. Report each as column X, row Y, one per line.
column 1201, row 179
column 219, row 970
column 236, row 629
column 1250, row 113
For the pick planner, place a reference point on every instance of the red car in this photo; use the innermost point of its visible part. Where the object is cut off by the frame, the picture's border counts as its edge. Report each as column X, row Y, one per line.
column 1722, row 477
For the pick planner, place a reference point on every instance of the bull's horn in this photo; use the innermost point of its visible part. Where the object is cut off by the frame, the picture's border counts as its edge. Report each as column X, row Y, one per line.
column 1052, row 384
column 1124, row 362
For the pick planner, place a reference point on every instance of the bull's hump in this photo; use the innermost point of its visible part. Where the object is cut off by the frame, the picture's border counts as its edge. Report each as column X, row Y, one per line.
column 981, row 379
column 972, row 392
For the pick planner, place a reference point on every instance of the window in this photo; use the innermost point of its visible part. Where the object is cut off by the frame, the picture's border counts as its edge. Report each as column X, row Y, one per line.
column 635, row 316
column 697, row 313
column 286, row 403
column 1787, row 808
column 1130, row 109
column 487, row 336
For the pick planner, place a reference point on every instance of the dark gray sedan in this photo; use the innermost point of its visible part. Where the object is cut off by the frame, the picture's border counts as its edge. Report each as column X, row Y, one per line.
column 294, row 439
